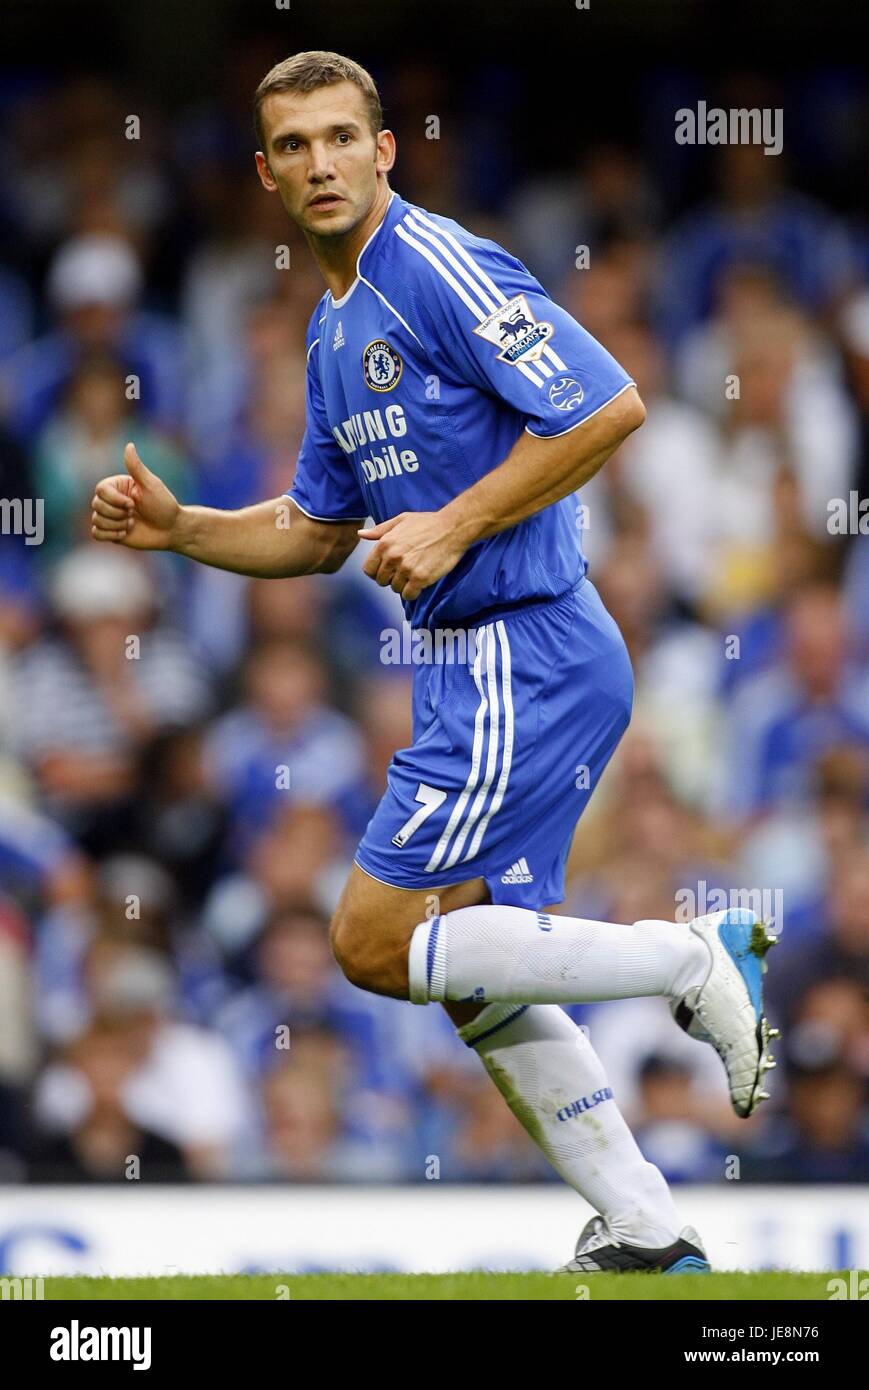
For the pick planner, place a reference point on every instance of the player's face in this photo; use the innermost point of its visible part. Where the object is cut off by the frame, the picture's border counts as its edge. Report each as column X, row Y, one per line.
column 322, row 157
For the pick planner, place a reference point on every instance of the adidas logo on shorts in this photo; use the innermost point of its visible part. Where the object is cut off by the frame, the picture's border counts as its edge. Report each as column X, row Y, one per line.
column 518, row 873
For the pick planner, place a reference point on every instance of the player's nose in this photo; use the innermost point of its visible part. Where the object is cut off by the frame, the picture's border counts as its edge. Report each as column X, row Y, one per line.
column 319, row 164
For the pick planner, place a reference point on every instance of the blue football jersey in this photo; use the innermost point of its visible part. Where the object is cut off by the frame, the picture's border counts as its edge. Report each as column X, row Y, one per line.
column 421, row 379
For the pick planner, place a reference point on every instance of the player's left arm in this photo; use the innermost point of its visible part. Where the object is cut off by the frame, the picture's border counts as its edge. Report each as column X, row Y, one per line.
column 414, row 549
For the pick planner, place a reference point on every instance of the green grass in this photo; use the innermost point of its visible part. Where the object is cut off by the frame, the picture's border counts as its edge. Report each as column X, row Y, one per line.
column 451, row 1287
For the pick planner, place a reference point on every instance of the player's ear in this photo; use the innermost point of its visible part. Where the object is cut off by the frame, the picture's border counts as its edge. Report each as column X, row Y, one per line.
column 385, row 151
column 265, row 173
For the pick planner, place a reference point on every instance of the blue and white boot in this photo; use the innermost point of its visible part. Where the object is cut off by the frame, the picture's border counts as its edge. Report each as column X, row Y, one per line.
column 727, row 1009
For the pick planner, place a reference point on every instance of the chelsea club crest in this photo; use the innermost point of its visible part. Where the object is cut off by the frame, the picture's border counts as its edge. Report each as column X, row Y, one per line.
column 381, row 365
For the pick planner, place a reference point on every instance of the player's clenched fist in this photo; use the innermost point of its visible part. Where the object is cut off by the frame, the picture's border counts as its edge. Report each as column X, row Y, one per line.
column 413, row 550
column 134, row 508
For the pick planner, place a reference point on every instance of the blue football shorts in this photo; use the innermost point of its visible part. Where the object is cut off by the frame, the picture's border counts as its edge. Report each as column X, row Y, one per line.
column 508, row 746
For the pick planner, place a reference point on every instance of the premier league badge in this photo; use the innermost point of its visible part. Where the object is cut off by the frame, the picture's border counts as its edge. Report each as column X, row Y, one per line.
column 514, row 329
column 381, row 366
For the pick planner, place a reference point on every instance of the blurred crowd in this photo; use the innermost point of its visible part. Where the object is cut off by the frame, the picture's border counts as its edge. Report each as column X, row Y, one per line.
column 167, row 994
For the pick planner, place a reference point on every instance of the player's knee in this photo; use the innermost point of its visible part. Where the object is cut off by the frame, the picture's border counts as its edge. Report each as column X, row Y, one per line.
column 345, row 942
column 360, row 954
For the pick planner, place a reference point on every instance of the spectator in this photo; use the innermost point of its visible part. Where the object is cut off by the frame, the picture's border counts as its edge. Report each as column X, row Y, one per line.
column 674, row 456
column 94, row 286
column 283, row 744
column 185, row 1086
column 842, row 950
column 298, row 986
column 83, row 442
column 815, row 700
column 303, row 1108
column 85, row 708
column 105, row 1145
column 824, row 1135
column 669, row 1134
column 753, row 218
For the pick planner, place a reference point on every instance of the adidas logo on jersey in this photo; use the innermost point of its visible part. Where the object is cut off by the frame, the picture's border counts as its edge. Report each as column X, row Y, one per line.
column 338, row 340
column 518, row 873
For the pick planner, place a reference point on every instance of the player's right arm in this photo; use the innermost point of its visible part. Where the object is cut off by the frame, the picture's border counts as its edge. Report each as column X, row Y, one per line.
column 269, row 540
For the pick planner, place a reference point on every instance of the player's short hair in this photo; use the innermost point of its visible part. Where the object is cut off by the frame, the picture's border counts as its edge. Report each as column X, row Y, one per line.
column 305, row 72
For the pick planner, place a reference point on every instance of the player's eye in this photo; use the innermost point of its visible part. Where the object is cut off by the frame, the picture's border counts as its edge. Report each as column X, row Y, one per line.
column 343, row 136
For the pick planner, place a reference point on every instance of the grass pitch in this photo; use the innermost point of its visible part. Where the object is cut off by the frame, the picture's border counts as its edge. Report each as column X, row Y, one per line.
column 472, row 1287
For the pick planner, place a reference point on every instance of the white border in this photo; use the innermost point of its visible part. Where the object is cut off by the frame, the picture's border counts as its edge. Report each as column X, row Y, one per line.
column 584, row 418
column 312, row 517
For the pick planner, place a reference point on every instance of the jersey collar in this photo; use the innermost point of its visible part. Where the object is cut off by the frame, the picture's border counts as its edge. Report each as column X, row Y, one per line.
column 338, row 303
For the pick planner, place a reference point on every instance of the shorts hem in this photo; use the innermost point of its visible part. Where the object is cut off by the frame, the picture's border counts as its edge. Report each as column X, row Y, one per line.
column 413, row 887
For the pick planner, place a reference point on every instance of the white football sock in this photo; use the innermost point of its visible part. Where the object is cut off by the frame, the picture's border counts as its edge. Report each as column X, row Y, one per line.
column 514, row 955
column 554, row 1082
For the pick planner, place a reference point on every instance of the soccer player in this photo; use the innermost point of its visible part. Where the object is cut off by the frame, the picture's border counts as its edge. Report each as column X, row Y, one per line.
column 451, row 400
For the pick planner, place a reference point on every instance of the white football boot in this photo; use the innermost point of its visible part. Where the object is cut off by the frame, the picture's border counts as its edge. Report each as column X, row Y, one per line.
column 727, row 1009
column 597, row 1249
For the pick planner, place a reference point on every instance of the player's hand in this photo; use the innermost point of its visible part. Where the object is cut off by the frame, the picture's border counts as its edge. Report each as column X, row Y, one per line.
column 134, row 508
column 413, row 550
